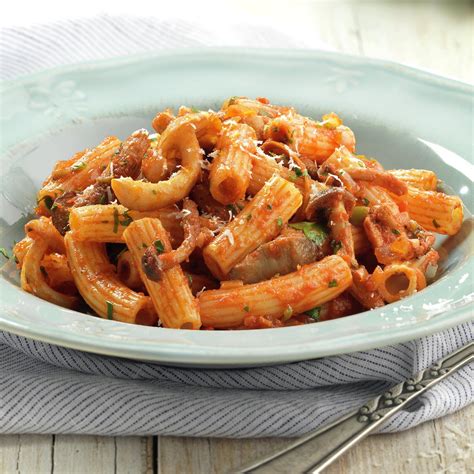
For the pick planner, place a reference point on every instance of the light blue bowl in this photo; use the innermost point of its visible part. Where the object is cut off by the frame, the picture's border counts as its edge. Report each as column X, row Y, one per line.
column 404, row 117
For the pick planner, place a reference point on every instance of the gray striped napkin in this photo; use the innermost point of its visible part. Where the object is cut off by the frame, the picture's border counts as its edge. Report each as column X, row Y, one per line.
column 50, row 389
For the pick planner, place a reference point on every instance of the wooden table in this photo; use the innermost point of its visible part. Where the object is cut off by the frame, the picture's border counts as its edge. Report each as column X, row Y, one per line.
column 431, row 35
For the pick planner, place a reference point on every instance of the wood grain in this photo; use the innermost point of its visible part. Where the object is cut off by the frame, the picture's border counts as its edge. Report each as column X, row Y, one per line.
column 416, row 450
column 436, row 35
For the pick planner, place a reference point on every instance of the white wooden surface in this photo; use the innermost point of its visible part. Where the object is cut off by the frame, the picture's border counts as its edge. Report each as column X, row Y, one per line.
column 433, row 35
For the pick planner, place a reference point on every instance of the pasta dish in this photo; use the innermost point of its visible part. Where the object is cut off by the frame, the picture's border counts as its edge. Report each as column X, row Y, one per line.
column 253, row 216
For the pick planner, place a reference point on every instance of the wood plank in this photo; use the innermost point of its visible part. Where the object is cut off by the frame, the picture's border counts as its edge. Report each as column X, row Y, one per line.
column 415, row 450
column 134, row 455
column 455, row 435
column 104, row 454
column 25, row 454
column 9, row 453
column 79, row 454
column 210, row 455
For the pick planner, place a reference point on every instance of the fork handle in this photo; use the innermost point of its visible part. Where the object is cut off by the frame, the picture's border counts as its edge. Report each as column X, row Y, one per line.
column 318, row 449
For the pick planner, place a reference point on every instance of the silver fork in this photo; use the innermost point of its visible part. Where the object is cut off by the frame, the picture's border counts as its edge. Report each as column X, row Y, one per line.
column 317, row 450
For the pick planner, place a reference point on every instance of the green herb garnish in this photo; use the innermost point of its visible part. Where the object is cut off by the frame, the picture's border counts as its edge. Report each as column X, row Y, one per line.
column 158, row 244
column 269, row 206
column 127, row 220
column 110, row 310
column 365, row 201
column 80, row 165
column 280, row 222
column 395, row 232
column 116, row 220
column 332, row 284
column 3, row 251
column 314, row 232
column 314, row 313
column 248, row 216
column 246, row 308
column 436, row 224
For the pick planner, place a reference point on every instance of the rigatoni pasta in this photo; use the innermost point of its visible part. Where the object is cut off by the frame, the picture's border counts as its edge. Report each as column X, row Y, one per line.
column 171, row 295
column 258, row 222
column 250, row 217
column 97, row 282
column 307, row 288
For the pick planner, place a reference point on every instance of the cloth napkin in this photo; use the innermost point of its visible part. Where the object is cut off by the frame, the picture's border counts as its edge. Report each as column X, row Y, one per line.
column 50, row 389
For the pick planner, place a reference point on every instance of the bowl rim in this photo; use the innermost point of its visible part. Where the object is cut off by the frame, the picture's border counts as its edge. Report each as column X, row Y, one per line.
column 176, row 353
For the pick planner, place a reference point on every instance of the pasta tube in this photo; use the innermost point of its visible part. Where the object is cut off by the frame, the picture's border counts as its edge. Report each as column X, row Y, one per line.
column 43, row 229
column 436, row 212
column 33, row 277
column 360, row 240
column 230, row 170
column 106, row 223
column 76, row 174
column 260, row 221
column 143, row 196
column 57, row 272
column 263, row 168
column 98, row 284
column 313, row 140
column 128, row 272
column 297, row 292
column 397, row 281
column 21, row 248
column 421, row 179
column 171, row 295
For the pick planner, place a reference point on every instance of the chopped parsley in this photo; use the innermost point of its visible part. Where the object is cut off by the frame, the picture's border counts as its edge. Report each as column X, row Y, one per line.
column 298, row 171
column 246, row 308
column 365, row 201
column 395, row 232
column 127, row 219
column 269, row 207
column 194, row 110
column 190, row 279
column 248, row 216
column 314, row 232
column 144, row 245
column 280, row 222
column 3, row 251
column 336, row 245
column 314, row 313
column 110, row 310
column 158, row 244
column 103, row 199
column 116, row 220
column 436, row 223
column 80, row 165
column 332, row 284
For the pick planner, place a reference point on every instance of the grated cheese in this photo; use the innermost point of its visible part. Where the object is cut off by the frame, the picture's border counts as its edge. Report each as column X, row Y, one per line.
column 230, row 237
